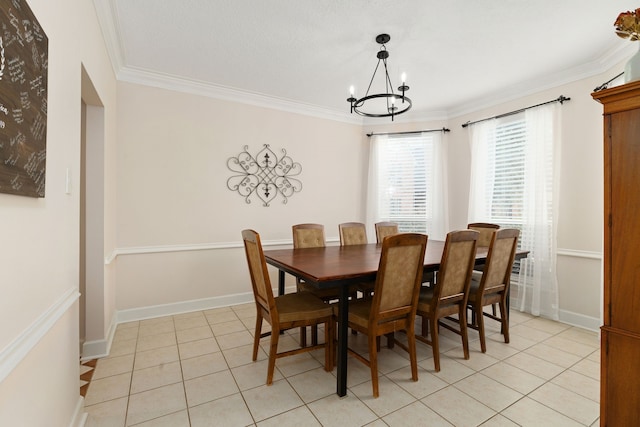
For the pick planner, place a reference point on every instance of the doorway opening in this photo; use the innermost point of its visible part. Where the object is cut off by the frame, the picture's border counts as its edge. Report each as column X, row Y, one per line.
column 92, row 158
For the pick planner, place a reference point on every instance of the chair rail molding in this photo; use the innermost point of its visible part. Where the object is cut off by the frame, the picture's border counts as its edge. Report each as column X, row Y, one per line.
column 579, row 254
column 137, row 250
column 20, row 347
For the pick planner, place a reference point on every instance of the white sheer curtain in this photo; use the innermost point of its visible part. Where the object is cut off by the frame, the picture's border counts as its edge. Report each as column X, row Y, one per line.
column 429, row 182
column 536, row 290
column 539, row 233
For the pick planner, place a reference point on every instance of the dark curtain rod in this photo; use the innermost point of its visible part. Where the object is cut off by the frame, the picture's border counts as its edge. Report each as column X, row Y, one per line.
column 410, row 132
column 560, row 99
column 606, row 84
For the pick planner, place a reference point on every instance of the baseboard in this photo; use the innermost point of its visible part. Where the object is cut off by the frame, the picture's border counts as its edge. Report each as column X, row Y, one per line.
column 580, row 320
column 99, row 348
column 151, row 312
column 79, row 416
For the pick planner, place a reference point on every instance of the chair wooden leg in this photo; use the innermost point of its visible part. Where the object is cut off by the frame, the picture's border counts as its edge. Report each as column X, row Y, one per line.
column 391, row 340
column 373, row 363
column 425, row 326
column 256, row 336
column 273, row 350
column 411, row 344
column 462, row 318
column 480, row 320
column 328, row 346
column 303, row 336
column 314, row 335
column 504, row 318
column 434, row 344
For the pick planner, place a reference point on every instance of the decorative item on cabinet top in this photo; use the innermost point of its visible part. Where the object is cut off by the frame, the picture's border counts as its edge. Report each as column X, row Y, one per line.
column 627, row 26
column 264, row 175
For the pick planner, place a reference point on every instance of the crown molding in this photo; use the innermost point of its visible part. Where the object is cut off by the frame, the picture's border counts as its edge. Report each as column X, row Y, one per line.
column 106, row 10
column 195, row 87
column 164, row 81
column 610, row 58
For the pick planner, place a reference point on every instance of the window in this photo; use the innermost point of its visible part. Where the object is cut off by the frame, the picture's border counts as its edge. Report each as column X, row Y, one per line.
column 514, row 181
column 404, row 181
column 508, row 177
column 506, row 157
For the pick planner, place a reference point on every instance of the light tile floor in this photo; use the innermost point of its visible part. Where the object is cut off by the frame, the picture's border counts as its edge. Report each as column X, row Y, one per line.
column 195, row 369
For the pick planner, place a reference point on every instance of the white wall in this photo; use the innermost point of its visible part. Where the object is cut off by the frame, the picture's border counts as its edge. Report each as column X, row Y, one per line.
column 39, row 251
column 172, row 190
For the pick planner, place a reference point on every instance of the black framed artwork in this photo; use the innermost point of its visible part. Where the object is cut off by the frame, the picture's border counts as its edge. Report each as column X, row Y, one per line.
column 23, row 100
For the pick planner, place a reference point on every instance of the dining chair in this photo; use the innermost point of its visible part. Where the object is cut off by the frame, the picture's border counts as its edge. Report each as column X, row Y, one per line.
column 311, row 236
column 449, row 295
column 393, row 305
column 352, row 233
column 308, row 236
column 486, row 232
column 384, row 229
column 355, row 233
column 484, row 240
column 493, row 285
column 285, row 311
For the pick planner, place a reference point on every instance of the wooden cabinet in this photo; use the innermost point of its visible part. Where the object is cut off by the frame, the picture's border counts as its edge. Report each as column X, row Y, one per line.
column 620, row 363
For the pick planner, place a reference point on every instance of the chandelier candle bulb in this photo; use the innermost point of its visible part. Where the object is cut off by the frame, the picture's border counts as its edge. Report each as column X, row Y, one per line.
column 351, row 100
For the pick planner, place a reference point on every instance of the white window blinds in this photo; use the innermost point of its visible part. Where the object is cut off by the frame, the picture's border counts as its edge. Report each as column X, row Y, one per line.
column 405, row 184
column 507, row 151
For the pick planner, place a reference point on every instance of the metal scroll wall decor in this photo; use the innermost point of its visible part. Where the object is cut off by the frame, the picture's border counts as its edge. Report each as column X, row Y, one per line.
column 264, row 175
column 23, row 100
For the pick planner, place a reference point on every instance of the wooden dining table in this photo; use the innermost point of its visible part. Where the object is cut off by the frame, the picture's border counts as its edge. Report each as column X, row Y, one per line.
column 341, row 266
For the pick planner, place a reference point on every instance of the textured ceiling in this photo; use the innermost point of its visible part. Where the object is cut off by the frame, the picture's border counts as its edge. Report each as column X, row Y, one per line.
column 458, row 54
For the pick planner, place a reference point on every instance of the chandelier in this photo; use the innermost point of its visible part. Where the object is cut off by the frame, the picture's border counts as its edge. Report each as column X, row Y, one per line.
column 381, row 104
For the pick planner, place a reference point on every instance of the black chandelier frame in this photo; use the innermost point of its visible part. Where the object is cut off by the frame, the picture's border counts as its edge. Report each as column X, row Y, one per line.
column 392, row 99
